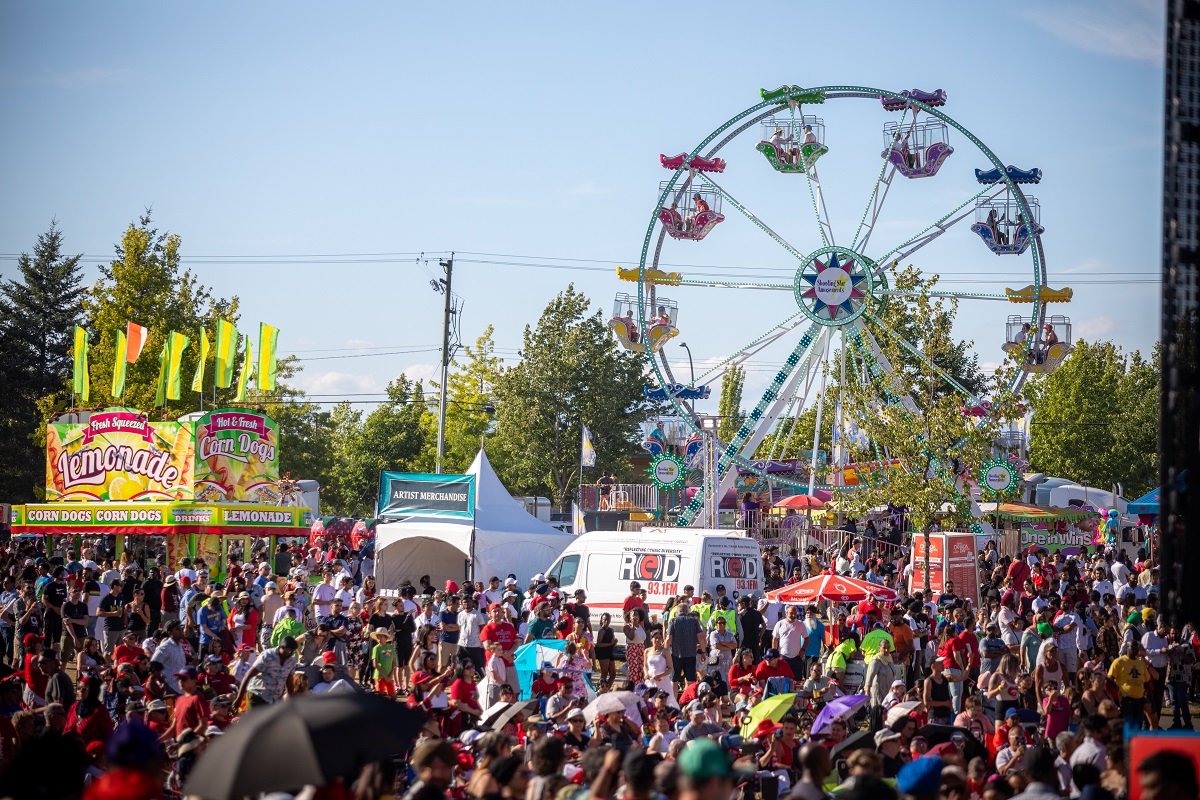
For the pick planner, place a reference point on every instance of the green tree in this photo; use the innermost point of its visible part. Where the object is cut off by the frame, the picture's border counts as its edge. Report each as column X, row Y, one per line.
column 38, row 314
column 955, row 357
column 1097, row 417
column 339, row 482
column 305, row 448
column 392, row 437
column 910, row 416
column 470, row 397
column 571, row 373
column 729, row 408
column 144, row 284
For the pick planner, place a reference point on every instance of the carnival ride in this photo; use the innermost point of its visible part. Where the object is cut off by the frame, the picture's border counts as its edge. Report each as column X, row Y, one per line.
column 841, row 285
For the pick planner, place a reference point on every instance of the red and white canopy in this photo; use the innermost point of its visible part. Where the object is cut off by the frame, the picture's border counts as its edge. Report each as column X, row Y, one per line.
column 838, row 588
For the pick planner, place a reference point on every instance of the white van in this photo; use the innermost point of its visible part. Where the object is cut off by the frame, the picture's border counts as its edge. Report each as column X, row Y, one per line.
column 663, row 561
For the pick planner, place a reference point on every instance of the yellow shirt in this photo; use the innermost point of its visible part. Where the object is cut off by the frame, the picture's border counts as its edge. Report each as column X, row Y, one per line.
column 1130, row 675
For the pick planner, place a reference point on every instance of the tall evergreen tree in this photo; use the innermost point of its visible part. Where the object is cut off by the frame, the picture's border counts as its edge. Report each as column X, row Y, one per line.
column 38, row 314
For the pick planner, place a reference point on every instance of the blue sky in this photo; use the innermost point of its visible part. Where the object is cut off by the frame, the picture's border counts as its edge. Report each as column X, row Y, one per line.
column 533, row 130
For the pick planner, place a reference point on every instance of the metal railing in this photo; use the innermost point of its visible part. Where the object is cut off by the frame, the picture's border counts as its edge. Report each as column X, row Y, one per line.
column 620, row 497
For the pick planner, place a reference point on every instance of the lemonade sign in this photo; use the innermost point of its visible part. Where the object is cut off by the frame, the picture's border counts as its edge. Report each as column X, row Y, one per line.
column 119, row 454
column 237, row 457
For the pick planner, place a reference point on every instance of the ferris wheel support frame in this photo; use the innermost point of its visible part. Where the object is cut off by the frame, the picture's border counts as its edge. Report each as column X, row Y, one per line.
column 732, row 454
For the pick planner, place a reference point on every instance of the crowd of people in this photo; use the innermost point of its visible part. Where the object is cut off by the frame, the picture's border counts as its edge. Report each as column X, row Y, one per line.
column 1024, row 686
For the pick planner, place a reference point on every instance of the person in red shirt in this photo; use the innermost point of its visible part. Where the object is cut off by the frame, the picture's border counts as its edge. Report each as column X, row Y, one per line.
column 191, row 708
column 499, row 637
column 741, row 674
column 1018, row 573
column 634, row 600
column 216, row 676
column 772, row 666
column 35, row 679
column 158, row 719
column 968, row 638
column 545, row 684
column 222, row 711
column 128, row 651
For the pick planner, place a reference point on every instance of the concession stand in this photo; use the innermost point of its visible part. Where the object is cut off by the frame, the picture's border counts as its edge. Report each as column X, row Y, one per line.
column 204, row 486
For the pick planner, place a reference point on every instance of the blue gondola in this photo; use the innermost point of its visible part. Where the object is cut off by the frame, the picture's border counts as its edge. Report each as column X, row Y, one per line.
column 1016, row 175
column 677, row 390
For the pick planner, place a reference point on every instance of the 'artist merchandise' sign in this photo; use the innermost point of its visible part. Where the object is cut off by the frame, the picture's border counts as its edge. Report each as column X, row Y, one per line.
column 405, row 494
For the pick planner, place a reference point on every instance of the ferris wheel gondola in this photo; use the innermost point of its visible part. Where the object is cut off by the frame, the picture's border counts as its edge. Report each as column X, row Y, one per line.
column 840, row 287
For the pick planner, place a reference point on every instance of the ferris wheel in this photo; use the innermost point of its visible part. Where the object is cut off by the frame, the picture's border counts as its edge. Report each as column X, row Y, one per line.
column 840, row 279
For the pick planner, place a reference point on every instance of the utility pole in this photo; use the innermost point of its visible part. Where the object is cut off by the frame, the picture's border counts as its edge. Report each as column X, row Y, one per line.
column 448, row 266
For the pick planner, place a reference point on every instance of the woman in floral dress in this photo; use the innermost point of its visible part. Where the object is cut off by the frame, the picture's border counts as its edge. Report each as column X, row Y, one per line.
column 355, row 654
column 635, row 646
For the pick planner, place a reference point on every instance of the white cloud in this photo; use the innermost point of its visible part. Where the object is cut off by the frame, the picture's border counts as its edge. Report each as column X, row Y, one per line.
column 359, row 344
column 1094, row 327
column 1130, row 29
column 334, row 383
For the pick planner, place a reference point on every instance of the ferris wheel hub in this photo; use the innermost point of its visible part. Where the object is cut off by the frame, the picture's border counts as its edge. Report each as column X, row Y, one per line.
column 833, row 285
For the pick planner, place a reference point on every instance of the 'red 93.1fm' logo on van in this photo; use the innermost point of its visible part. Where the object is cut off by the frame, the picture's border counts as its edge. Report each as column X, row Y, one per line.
column 743, row 572
column 641, row 566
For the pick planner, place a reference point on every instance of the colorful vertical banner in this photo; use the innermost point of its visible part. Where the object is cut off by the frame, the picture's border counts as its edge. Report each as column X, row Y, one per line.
column 588, row 455
column 247, row 373
column 80, row 384
column 268, row 342
column 176, row 343
column 226, row 354
column 135, row 340
column 118, row 385
column 160, row 392
column 198, row 379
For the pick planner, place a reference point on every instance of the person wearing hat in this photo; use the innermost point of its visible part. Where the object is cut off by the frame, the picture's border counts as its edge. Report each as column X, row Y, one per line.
column 216, row 677
column 384, row 662
column 191, row 708
column 706, row 773
column 698, row 724
column 889, row 746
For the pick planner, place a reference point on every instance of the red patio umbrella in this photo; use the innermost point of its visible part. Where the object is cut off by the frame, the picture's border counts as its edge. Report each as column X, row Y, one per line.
column 800, row 501
column 837, row 588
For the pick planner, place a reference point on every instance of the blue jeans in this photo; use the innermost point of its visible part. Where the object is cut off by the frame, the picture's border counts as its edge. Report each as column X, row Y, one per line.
column 1179, row 703
column 956, row 691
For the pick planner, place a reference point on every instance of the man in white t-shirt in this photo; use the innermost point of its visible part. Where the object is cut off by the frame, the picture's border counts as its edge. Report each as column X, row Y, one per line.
column 1102, row 584
column 493, row 594
column 1071, row 630
column 185, row 570
column 324, row 593
column 1120, row 573
column 346, row 591
column 789, row 637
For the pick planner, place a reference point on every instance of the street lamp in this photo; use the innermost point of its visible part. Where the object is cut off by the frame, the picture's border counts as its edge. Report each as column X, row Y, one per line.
column 691, row 368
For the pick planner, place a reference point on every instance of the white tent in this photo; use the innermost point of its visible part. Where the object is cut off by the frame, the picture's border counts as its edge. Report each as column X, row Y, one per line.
column 502, row 538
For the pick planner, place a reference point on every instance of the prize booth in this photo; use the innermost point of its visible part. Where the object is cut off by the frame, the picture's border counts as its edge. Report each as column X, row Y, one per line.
column 204, row 486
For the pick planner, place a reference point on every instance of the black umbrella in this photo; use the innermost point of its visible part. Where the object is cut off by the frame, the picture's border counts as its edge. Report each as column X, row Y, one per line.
column 501, row 714
column 313, row 739
column 863, row 740
column 936, row 734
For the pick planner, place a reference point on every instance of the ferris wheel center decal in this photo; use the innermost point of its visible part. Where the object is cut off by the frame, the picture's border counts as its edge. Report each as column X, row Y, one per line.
column 833, row 285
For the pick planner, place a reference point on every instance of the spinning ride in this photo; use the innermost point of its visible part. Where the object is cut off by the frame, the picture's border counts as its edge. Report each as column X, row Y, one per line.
column 840, row 284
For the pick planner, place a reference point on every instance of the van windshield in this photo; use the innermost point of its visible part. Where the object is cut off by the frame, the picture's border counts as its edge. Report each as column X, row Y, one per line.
column 566, row 570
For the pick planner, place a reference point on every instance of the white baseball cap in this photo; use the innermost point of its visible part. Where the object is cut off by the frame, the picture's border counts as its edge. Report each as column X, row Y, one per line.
column 510, row 581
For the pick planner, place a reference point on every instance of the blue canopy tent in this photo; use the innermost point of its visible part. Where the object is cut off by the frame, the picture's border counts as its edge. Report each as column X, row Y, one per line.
column 1146, row 505
column 530, row 657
